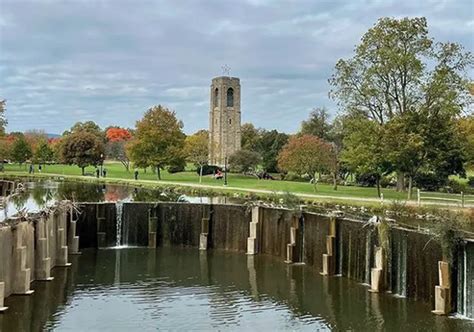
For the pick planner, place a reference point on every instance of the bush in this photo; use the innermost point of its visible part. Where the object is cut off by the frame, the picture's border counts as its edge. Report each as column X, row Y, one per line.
column 175, row 168
column 456, row 187
column 366, row 179
column 294, row 177
column 470, row 181
column 209, row 169
column 429, row 181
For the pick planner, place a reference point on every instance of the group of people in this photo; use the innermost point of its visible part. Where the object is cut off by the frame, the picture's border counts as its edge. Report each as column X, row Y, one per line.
column 104, row 172
column 31, row 170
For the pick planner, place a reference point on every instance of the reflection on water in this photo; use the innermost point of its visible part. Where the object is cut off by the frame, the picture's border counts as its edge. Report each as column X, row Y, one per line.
column 42, row 193
column 183, row 289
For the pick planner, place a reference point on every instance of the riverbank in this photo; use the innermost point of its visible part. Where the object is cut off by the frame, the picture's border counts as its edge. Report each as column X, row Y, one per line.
column 240, row 185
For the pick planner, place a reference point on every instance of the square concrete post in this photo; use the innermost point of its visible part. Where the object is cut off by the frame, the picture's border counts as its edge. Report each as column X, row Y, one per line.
column 443, row 291
column 21, row 274
column 61, row 241
column 2, row 297
column 329, row 259
column 377, row 274
column 73, row 239
column 254, row 231
column 42, row 257
column 204, row 236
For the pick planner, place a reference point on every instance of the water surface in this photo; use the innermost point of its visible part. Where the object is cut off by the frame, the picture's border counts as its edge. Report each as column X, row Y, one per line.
column 184, row 289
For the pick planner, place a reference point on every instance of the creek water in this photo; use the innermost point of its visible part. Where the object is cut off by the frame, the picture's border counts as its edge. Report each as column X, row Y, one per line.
column 184, row 289
column 41, row 193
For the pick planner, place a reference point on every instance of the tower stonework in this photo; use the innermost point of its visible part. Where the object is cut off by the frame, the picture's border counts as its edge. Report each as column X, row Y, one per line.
column 224, row 119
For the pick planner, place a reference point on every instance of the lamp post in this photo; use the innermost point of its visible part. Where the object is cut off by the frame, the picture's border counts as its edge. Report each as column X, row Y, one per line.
column 101, row 164
column 225, row 171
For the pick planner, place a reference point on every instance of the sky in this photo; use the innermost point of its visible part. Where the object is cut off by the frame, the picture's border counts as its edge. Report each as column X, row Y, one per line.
column 109, row 61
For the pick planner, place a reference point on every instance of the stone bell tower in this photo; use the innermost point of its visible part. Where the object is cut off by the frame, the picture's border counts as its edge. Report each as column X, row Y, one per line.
column 224, row 119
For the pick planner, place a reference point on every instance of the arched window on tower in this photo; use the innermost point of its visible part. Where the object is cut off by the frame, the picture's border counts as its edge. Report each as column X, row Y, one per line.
column 216, row 97
column 230, row 97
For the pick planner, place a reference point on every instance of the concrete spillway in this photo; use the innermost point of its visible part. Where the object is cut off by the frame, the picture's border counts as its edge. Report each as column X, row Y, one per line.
column 410, row 264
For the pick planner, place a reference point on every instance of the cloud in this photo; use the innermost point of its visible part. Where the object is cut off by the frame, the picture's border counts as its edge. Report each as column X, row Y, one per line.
column 109, row 61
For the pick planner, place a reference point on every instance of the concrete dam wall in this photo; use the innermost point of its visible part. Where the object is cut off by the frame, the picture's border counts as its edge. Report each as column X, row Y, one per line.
column 400, row 261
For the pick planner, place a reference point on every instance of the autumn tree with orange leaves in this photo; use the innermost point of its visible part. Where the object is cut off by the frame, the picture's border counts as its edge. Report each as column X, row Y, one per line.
column 306, row 154
column 117, row 138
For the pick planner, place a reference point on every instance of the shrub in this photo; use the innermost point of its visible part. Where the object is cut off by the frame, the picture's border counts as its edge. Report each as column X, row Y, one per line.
column 366, row 179
column 209, row 169
column 470, row 181
column 429, row 181
column 175, row 168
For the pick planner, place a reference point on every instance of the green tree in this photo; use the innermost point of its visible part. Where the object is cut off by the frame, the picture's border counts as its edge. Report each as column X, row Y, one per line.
column 44, row 153
column 244, row 161
column 397, row 69
column 196, row 149
column 21, row 150
column 270, row 144
column 3, row 120
column 318, row 124
column 249, row 137
column 82, row 148
column 158, row 139
column 306, row 154
column 363, row 152
column 466, row 129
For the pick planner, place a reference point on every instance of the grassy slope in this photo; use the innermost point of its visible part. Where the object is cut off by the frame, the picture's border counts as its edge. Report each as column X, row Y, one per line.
column 116, row 170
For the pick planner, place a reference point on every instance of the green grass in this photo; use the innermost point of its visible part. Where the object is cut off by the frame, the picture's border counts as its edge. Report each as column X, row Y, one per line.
column 115, row 171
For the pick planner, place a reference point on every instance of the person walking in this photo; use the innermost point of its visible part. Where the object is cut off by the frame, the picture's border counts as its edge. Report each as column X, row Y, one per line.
column 136, row 174
column 97, row 172
column 104, row 172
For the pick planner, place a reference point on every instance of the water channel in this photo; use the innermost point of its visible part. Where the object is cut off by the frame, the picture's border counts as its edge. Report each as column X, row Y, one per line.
column 184, row 289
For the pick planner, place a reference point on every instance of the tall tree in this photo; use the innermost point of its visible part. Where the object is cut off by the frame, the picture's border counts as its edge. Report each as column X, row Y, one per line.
column 21, row 150
column 243, row 161
column 196, row 149
column 249, row 137
column 466, row 130
column 270, row 144
column 397, row 69
column 3, row 120
column 318, row 124
column 44, row 153
column 83, row 145
column 306, row 154
column 158, row 140
column 117, row 139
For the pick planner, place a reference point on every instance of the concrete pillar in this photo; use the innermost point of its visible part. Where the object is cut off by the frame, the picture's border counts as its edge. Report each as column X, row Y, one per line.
column 21, row 276
column 2, row 297
column 152, row 227
column 61, row 241
column 291, row 248
column 204, row 236
column 101, row 236
column 329, row 259
column 377, row 274
column 443, row 290
column 252, row 240
column 73, row 239
column 42, row 256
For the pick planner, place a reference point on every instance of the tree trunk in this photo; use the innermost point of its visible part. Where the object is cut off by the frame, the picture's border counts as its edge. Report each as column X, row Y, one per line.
column 200, row 175
column 158, row 173
column 378, row 186
column 410, row 186
column 335, row 180
column 82, row 169
column 144, row 170
column 315, row 182
column 400, row 181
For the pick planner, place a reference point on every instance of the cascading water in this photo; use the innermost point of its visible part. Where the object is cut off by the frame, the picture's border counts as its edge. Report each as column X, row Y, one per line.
column 119, row 216
column 465, row 293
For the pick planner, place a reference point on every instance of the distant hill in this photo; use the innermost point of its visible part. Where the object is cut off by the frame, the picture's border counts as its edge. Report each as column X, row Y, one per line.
column 53, row 135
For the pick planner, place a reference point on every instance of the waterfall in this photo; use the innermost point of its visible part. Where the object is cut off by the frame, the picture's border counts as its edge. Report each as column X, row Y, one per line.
column 465, row 294
column 119, row 216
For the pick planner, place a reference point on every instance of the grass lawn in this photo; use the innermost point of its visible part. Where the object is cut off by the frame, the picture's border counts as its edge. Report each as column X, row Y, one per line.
column 115, row 170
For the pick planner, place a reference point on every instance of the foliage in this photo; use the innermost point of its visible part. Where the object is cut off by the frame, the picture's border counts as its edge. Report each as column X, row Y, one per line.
column 21, row 150
column 305, row 154
column 3, row 120
column 117, row 134
column 269, row 146
column 466, row 130
column 158, row 140
column 409, row 90
column 249, row 137
column 244, row 161
column 209, row 169
column 83, row 145
column 44, row 153
column 117, row 139
column 429, row 181
column 317, row 125
column 196, row 149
